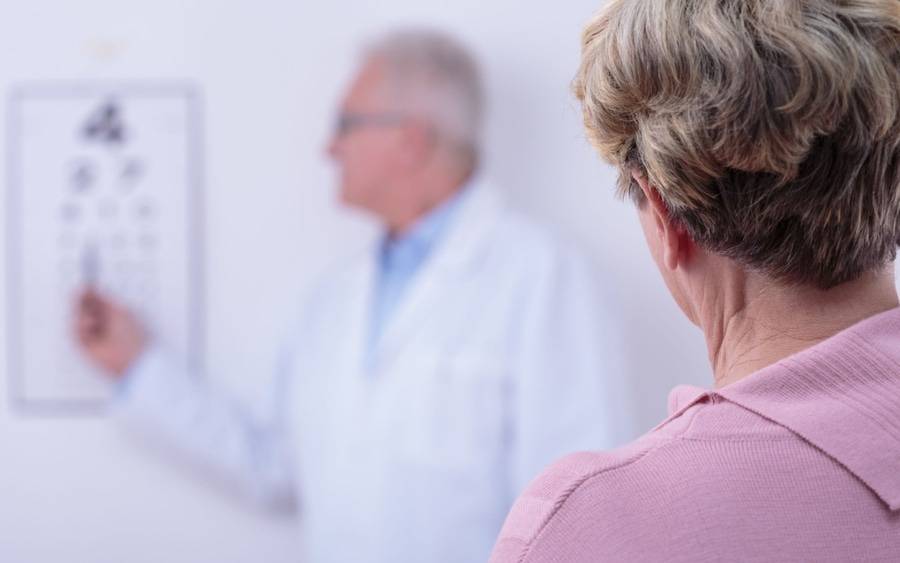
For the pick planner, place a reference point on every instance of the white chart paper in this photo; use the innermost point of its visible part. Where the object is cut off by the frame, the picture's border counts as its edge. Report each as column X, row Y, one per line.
column 103, row 191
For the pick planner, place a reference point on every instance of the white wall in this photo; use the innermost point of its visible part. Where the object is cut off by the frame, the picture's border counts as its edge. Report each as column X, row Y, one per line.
column 75, row 489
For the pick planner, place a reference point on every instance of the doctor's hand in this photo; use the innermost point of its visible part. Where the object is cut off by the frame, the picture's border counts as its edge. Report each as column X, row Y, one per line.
column 108, row 333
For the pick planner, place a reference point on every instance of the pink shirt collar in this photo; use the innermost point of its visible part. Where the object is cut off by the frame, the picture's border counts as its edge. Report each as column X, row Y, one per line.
column 841, row 395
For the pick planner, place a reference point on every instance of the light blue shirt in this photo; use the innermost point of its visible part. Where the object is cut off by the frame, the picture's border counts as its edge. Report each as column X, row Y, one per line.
column 401, row 258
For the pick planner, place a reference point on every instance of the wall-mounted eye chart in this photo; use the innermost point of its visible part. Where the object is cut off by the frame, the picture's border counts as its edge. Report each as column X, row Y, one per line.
column 103, row 191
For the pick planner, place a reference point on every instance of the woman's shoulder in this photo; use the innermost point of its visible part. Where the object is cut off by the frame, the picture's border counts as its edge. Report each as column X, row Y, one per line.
column 716, row 477
column 582, row 474
column 625, row 492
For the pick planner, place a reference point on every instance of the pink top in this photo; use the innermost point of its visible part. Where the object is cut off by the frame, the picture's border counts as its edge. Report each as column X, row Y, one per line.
column 797, row 462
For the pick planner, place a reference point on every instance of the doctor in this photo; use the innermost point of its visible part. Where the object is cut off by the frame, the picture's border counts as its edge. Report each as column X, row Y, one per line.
column 428, row 380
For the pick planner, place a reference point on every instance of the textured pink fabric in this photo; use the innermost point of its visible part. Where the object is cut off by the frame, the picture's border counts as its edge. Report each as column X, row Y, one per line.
column 798, row 462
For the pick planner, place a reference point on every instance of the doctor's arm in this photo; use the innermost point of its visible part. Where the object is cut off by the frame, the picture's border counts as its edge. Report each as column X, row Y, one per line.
column 568, row 391
column 176, row 411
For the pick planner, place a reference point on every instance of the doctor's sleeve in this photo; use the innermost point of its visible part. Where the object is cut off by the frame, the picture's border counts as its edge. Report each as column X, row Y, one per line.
column 176, row 411
column 567, row 392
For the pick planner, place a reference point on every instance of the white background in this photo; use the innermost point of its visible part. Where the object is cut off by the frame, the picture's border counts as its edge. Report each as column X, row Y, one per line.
column 75, row 489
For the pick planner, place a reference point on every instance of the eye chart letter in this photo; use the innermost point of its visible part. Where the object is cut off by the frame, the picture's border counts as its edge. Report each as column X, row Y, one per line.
column 103, row 192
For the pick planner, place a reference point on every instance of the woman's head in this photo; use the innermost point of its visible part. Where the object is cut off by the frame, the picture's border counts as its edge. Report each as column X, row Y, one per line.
column 769, row 129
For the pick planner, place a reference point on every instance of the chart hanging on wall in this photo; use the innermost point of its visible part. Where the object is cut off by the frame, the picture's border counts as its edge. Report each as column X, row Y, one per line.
column 104, row 191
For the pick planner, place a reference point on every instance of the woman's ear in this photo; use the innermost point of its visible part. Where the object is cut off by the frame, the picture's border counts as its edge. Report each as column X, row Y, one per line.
column 676, row 243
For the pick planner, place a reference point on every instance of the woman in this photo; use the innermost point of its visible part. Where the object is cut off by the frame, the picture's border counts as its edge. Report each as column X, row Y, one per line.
column 760, row 140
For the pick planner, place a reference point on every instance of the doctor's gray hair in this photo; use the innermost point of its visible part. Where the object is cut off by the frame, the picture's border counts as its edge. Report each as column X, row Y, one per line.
column 433, row 76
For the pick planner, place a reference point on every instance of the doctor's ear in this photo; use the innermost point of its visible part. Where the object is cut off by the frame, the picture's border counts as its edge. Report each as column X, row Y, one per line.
column 677, row 246
column 419, row 141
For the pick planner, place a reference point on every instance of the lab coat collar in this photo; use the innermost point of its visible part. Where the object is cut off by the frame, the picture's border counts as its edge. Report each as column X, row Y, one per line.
column 458, row 250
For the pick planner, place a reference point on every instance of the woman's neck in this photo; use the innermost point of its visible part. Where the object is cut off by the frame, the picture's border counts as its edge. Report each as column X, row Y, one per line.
column 761, row 322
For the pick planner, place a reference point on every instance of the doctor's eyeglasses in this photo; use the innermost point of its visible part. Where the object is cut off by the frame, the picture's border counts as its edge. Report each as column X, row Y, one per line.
column 347, row 122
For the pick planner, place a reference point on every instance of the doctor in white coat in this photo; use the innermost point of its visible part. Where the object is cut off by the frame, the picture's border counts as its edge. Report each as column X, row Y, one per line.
column 428, row 380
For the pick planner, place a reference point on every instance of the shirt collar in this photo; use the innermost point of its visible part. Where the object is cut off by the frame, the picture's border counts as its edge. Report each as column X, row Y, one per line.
column 841, row 395
column 424, row 235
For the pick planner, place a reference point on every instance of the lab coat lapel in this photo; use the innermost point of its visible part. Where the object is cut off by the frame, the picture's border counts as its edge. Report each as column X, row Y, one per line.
column 450, row 259
column 360, row 295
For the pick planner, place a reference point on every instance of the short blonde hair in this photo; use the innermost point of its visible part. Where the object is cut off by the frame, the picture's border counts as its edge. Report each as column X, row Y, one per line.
column 769, row 128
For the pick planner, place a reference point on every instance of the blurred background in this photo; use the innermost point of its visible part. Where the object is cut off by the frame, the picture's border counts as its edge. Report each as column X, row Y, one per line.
column 266, row 78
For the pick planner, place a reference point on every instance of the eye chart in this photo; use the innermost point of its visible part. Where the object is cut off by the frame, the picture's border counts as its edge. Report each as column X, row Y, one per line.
column 103, row 192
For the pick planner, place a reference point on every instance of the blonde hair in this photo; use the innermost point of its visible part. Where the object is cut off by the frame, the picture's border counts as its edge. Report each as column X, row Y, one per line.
column 769, row 128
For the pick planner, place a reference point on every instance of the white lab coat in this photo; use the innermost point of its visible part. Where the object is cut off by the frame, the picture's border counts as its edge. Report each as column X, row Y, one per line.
column 497, row 361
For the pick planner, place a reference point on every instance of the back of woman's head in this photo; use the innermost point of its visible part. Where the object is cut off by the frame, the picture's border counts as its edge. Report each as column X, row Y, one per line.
column 770, row 128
